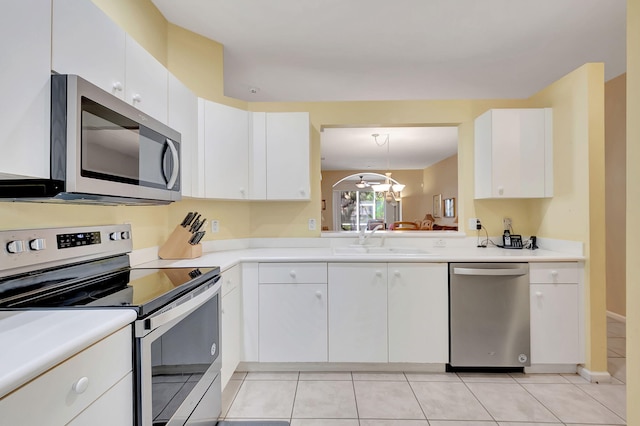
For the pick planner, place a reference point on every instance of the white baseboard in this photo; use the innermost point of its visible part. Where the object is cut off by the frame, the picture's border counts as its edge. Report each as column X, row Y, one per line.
column 617, row 317
column 551, row 368
column 594, row 376
column 341, row 366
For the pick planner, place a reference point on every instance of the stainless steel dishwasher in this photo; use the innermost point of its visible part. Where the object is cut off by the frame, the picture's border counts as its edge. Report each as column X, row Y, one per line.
column 489, row 316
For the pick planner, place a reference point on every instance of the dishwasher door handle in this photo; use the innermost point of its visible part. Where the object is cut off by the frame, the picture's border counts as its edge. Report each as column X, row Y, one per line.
column 490, row 272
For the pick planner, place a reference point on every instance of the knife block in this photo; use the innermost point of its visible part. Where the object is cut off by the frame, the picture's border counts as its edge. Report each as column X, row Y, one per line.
column 177, row 246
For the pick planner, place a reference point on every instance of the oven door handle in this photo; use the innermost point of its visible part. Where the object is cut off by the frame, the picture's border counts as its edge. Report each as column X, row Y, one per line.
column 183, row 309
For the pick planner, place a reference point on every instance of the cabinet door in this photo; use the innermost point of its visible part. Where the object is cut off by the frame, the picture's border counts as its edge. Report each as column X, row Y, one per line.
column 226, row 138
column 555, row 328
column 146, row 81
column 293, row 323
column 288, row 156
column 183, row 117
column 358, row 312
column 61, row 393
column 513, row 154
column 25, row 29
column 230, row 333
column 114, row 407
column 418, row 313
column 258, row 155
column 88, row 43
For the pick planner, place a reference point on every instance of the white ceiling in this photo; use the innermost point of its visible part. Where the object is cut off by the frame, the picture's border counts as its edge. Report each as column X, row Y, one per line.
column 320, row 50
column 409, row 148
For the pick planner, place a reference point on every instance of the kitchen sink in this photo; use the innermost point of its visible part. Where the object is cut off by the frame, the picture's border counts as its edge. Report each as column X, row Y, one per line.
column 372, row 250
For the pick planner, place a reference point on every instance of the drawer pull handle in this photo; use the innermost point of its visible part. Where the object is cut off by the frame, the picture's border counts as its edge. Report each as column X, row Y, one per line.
column 292, row 274
column 81, row 385
column 554, row 274
column 378, row 273
column 319, row 294
column 396, row 273
column 539, row 293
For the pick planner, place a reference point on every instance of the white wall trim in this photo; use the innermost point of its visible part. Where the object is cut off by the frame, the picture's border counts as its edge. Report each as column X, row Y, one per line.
column 617, row 317
column 341, row 367
column 594, row 376
column 551, row 368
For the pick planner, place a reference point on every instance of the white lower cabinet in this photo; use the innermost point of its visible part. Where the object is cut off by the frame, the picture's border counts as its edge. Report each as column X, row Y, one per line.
column 556, row 335
column 292, row 312
column 418, row 312
column 293, row 322
column 231, row 322
column 358, row 312
column 115, row 407
column 76, row 388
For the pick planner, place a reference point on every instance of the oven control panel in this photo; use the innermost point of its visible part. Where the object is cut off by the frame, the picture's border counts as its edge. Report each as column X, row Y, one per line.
column 78, row 239
column 24, row 250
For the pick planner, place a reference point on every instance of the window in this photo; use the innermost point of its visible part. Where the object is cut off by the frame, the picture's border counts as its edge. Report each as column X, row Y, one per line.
column 356, row 208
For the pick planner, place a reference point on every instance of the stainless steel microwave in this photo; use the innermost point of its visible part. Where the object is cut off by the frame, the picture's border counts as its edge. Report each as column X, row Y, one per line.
column 103, row 151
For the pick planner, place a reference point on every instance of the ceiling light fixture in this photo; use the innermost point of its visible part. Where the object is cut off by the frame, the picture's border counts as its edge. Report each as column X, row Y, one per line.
column 361, row 183
column 392, row 188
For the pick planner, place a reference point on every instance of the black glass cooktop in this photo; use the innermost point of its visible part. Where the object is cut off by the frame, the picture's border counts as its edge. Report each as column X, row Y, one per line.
column 104, row 283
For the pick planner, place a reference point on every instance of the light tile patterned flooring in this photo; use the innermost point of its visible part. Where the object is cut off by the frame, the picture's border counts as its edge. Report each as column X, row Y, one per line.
column 435, row 399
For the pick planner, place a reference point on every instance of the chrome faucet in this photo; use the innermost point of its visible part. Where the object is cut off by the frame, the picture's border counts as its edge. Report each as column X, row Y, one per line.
column 363, row 237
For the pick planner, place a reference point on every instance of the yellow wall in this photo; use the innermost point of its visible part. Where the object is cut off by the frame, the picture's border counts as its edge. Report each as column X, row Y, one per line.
column 615, row 109
column 440, row 178
column 633, row 212
column 576, row 211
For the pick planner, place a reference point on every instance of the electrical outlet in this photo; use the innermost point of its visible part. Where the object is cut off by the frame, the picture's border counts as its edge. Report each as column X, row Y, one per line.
column 472, row 223
column 312, row 224
column 506, row 223
column 215, row 226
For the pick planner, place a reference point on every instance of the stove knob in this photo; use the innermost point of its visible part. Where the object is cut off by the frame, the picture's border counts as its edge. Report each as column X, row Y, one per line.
column 113, row 236
column 16, row 246
column 125, row 235
column 37, row 244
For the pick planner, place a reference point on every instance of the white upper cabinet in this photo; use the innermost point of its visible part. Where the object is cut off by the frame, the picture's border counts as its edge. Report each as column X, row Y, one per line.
column 280, row 156
column 88, row 43
column 183, row 117
column 24, row 115
column 146, row 81
column 514, row 153
column 226, row 151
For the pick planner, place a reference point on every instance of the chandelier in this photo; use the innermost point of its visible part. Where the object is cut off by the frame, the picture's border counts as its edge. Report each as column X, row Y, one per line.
column 391, row 188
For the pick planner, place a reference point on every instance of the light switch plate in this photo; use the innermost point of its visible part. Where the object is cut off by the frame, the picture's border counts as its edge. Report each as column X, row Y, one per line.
column 215, row 226
column 312, row 224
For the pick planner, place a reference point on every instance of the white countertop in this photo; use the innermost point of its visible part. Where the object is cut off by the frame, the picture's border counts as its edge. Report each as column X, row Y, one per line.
column 34, row 341
column 228, row 258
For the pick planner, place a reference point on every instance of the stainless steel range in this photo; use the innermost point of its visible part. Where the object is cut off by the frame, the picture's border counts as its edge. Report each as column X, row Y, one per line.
column 177, row 333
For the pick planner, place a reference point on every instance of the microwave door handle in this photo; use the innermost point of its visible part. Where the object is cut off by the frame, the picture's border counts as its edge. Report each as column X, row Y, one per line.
column 176, row 164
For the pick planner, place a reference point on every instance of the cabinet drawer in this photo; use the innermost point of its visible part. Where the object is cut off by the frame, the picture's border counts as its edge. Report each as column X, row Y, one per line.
column 553, row 273
column 103, row 364
column 230, row 279
column 283, row 273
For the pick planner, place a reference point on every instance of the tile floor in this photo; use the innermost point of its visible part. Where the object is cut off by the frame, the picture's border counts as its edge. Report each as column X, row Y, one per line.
column 432, row 399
